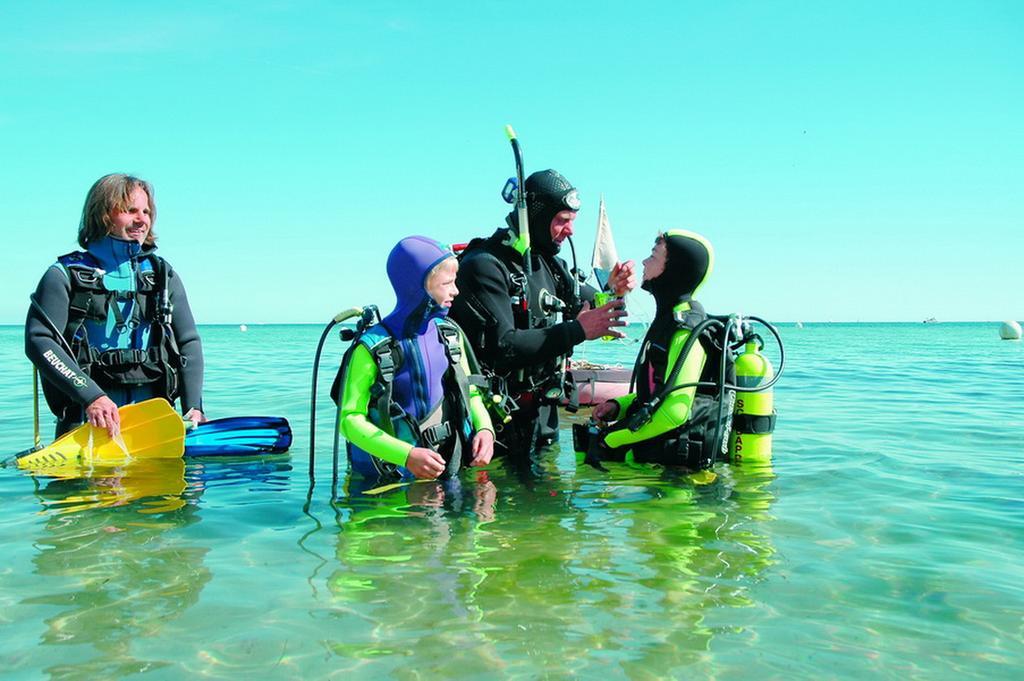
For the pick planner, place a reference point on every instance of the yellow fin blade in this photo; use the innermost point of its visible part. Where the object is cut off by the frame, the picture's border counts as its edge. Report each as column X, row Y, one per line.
column 149, row 430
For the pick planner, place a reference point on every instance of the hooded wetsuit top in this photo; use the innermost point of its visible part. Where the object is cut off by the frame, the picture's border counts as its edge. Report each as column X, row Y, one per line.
column 688, row 264
column 121, row 264
column 418, row 386
column 499, row 336
column 484, row 309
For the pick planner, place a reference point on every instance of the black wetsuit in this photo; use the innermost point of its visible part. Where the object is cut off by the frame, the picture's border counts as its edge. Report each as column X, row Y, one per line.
column 529, row 359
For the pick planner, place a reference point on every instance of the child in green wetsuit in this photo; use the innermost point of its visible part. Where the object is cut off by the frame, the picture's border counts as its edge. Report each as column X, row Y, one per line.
column 407, row 408
column 671, row 433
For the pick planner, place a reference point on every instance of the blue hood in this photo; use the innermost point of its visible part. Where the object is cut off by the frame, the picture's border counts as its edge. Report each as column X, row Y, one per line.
column 409, row 263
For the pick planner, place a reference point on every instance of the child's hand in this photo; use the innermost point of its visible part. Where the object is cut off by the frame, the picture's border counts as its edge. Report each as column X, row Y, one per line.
column 483, row 448
column 606, row 411
column 424, row 463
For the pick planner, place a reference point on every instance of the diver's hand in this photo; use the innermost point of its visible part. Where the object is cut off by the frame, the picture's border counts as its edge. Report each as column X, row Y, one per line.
column 102, row 413
column 606, row 411
column 424, row 463
column 483, row 448
column 603, row 320
column 622, row 280
column 196, row 417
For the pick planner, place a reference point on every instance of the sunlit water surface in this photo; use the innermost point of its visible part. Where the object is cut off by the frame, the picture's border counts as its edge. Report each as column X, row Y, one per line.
column 887, row 539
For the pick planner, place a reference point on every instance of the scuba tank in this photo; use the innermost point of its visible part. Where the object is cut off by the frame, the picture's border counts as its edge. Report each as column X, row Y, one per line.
column 754, row 414
column 735, row 421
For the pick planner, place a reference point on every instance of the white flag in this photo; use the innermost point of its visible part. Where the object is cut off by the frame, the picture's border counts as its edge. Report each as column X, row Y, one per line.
column 605, row 255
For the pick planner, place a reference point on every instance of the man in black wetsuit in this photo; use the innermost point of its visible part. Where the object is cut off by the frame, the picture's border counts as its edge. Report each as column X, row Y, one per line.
column 524, row 343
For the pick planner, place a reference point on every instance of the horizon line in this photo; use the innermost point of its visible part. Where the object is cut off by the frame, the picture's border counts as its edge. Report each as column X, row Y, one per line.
column 636, row 323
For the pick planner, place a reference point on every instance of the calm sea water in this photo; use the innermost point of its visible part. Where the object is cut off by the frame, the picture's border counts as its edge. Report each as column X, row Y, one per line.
column 887, row 539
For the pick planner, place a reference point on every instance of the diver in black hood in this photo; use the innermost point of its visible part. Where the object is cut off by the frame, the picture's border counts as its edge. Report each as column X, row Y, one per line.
column 524, row 342
column 552, row 203
column 673, row 432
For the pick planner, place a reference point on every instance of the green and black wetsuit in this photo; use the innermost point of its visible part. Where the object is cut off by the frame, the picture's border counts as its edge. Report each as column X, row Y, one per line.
column 676, row 429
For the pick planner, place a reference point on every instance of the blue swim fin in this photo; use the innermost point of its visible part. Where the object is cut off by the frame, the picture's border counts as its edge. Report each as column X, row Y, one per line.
column 239, row 436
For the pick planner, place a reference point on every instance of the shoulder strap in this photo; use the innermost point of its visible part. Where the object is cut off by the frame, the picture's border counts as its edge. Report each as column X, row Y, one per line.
column 474, row 246
column 78, row 259
column 449, row 334
column 564, row 283
column 687, row 318
column 385, row 354
column 513, row 270
column 162, row 312
column 86, row 280
column 160, row 290
column 451, row 337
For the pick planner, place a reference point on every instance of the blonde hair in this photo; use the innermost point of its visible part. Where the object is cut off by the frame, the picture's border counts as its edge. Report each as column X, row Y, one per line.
column 448, row 261
column 108, row 193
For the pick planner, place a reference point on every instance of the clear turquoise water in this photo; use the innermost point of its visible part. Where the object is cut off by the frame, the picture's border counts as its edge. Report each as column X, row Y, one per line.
column 886, row 540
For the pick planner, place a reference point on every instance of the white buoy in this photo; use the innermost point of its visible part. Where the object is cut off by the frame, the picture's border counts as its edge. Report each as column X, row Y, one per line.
column 243, row 328
column 1010, row 330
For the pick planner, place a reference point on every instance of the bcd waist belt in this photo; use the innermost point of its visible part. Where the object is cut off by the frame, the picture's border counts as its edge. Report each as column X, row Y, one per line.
column 123, row 357
column 436, row 435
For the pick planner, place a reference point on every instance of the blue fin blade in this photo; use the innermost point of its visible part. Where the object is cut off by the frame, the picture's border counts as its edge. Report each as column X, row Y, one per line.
column 239, row 436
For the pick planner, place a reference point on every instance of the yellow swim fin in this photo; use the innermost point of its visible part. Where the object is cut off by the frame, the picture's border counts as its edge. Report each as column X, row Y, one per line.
column 150, row 430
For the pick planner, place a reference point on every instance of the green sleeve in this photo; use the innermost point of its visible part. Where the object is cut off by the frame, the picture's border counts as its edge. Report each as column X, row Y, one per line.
column 624, row 402
column 675, row 410
column 360, row 375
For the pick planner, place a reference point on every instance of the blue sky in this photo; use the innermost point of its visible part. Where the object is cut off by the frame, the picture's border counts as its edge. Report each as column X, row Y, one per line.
column 849, row 161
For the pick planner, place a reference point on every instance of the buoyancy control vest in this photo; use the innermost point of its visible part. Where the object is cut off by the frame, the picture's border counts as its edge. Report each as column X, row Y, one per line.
column 449, row 435
column 145, row 351
column 551, row 299
column 704, row 437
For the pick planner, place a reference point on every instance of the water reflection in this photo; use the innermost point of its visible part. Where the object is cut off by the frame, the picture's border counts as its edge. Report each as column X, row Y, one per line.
column 157, row 485
column 490, row 575
column 160, row 482
column 117, row 574
column 263, row 473
column 675, row 555
column 118, row 564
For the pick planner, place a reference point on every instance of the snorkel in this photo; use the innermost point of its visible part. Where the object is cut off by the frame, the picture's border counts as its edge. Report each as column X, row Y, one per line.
column 518, row 194
column 522, row 242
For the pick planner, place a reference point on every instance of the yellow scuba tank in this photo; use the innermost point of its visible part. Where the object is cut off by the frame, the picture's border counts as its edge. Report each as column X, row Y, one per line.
column 754, row 413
